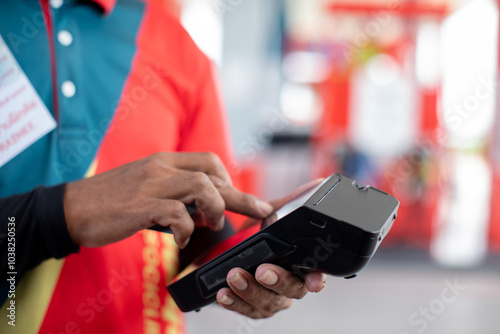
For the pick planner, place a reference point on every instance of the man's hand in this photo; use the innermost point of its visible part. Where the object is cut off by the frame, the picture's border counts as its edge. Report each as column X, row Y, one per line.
column 273, row 288
column 116, row 204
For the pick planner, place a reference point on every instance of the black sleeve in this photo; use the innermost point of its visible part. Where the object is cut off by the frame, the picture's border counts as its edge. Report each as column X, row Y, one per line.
column 39, row 231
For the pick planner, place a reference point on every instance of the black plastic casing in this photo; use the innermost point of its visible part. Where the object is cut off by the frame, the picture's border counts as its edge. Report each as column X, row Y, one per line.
column 336, row 231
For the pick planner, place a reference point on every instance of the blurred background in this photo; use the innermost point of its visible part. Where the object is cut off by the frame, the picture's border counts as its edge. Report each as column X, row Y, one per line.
column 398, row 94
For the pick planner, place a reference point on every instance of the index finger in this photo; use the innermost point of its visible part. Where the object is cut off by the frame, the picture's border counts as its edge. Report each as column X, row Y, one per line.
column 235, row 200
column 246, row 204
column 206, row 162
column 194, row 187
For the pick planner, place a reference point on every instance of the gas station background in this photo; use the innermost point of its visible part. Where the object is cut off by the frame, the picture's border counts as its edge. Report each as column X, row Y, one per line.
column 401, row 95
column 397, row 94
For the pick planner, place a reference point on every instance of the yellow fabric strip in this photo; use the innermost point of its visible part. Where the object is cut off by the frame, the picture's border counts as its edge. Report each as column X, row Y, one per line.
column 91, row 170
column 33, row 296
column 34, row 292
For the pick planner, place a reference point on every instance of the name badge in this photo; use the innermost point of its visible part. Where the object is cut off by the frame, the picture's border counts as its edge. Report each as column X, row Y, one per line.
column 24, row 118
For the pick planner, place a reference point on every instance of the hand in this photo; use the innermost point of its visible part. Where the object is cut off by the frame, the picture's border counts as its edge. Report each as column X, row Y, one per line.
column 273, row 288
column 116, row 204
column 278, row 204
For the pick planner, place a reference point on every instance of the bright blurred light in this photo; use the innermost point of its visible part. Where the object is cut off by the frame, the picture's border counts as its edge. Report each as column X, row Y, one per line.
column 382, row 69
column 300, row 103
column 204, row 26
column 305, row 67
column 383, row 121
column 427, row 54
column 461, row 238
column 468, row 59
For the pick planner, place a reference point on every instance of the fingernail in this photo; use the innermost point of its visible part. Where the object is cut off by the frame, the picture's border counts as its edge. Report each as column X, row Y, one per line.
column 269, row 277
column 239, row 281
column 183, row 245
column 226, row 300
column 323, row 280
column 221, row 224
column 265, row 207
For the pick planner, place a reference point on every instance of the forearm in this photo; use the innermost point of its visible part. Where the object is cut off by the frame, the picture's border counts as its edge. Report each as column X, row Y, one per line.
column 39, row 231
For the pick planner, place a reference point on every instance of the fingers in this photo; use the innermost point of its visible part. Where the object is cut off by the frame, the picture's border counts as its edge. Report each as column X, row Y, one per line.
column 230, row 301
column 200, row 190
column 280, row 281
column 284, row 282
column 173, row 213
column 271, row 290
column 315, row 281
column 248, row 297
column 211, row 165
column 118, row 203
column 206, row 162
column 189, row 187
column 245, row 204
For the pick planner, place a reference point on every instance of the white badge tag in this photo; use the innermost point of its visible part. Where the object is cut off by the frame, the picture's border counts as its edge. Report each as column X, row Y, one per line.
column 24, row 118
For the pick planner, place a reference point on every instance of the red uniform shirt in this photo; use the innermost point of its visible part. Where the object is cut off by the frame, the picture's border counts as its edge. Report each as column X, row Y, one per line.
column 169, row 102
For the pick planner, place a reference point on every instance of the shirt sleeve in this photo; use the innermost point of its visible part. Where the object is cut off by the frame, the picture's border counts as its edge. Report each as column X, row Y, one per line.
column 207, row 127
column 34, row 226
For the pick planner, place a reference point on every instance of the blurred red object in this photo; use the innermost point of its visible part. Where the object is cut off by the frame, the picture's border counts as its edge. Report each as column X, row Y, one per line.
column 495, row 215
column 405, row 9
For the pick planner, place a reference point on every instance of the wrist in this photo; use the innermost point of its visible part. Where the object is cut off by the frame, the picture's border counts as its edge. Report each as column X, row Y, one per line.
column 70, row 208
